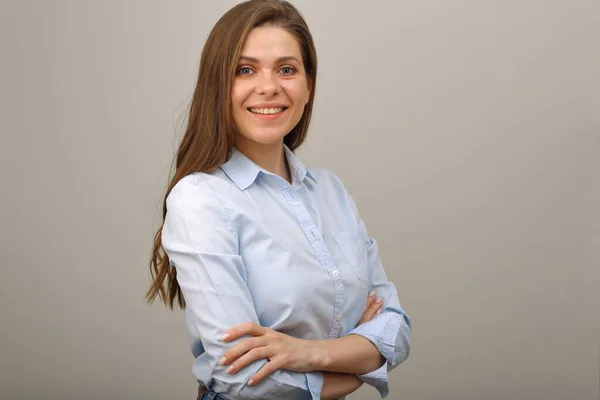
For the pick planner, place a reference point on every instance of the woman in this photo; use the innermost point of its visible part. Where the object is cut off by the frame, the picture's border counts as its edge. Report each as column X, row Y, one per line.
column 270, row 260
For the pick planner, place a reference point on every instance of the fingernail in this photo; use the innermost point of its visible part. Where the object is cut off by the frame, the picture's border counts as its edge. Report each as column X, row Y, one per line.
column 224, row 336
column 379, row 311
column 230, row 370
column 372, row 293
column 379, row 300
column 222, row 361
column 251, row 382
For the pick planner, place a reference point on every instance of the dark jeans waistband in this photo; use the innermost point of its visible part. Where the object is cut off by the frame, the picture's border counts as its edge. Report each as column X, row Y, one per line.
column 210, row 395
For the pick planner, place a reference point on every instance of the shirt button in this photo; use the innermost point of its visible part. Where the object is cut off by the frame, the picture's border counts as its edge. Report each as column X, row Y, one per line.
column 338, row 317
column 335, row 273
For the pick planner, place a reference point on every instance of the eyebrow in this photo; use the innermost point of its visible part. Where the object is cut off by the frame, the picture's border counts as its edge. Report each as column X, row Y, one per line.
column 278, row 61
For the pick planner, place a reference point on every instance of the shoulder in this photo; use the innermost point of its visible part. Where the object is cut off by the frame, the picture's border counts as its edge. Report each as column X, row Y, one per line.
column 199, row 187
column 197, row 215
column 199, row 193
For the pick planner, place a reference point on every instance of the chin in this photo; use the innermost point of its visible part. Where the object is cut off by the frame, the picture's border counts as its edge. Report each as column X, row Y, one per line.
column 267, row 138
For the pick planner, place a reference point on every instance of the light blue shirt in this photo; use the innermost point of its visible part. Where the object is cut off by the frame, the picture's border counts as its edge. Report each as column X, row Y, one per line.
column 248, row 246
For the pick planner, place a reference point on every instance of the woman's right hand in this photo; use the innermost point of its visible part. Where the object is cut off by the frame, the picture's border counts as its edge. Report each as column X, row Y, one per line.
column 372, row 309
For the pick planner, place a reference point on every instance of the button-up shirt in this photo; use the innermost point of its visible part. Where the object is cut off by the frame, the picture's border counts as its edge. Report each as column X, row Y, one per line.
column 250, row 247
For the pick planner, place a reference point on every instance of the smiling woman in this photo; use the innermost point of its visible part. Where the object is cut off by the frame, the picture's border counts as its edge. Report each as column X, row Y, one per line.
column 270, row 90
column 284, row 291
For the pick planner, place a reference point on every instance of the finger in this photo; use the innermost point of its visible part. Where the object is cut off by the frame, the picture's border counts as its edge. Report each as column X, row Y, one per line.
column 370, row 300
column 242, row 348
column 372, row 310
column 247, row 328
column 362, row 319
column 377, row 305
column 257, row 353
column 266, row 370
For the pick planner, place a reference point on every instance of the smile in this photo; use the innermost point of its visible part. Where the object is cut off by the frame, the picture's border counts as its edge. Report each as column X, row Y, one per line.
column 267, row 111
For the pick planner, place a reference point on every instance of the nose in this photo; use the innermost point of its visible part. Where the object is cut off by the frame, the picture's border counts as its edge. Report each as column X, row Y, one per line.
column 267, row 85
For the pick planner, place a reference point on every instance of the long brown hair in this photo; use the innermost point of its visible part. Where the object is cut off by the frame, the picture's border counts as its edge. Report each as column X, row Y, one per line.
column 210, row 133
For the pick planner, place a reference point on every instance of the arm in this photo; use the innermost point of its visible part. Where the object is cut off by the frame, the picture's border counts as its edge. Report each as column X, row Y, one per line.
column 286, row 352
column 351, row 354
column 337, row 385
column 201, row 242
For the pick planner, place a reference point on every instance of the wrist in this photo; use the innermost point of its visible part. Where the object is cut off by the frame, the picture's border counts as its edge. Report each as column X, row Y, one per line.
column 320, row 358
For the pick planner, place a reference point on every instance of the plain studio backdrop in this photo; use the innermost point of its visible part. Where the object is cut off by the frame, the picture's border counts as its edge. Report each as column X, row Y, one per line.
column 468, row 132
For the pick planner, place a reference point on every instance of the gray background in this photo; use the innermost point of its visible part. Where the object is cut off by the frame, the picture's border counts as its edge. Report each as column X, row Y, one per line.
column 468, row 132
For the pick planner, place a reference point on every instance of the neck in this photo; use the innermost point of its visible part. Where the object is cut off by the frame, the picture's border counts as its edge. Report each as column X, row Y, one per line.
column 268, row 157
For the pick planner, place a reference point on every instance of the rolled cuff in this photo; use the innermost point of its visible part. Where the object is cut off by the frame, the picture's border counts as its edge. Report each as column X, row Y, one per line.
column 378, row 379
column 390, row 333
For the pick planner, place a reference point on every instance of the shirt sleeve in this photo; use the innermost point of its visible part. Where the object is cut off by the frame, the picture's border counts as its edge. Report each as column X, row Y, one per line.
column 200, row 240
column 389, row 331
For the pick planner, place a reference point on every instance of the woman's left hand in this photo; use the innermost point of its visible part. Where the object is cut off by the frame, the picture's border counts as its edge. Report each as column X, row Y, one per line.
column 282, row 351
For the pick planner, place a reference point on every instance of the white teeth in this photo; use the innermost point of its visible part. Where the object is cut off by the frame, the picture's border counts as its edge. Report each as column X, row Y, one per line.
column 266, row 110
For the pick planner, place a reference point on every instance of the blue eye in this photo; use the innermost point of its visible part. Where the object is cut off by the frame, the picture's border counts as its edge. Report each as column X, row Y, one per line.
column 287, row 70
column 244, row 71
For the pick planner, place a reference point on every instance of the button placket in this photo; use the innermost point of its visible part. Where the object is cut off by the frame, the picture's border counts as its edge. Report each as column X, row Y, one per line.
column 317, row 242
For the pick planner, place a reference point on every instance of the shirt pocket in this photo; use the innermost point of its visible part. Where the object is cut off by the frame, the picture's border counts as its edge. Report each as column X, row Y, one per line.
column 354, row 248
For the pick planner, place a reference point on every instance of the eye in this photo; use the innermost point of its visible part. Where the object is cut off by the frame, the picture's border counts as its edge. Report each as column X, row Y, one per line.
column 244, row 71
column 287, row 70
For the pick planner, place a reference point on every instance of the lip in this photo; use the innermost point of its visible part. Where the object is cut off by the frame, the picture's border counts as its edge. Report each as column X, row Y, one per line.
column 269, row 105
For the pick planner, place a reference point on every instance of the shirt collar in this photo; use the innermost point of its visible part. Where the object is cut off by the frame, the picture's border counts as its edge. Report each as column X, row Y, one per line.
column 297, row 169
column 243, row 171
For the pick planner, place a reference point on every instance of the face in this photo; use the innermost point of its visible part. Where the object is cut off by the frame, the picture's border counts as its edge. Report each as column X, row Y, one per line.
column 270, row 88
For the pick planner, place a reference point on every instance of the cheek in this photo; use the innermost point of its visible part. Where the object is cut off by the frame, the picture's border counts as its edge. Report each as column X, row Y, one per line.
column 298, row 93
column 239, row 94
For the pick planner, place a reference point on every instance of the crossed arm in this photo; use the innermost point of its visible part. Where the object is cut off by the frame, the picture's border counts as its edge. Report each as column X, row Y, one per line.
column 333, row 357
column 341, row 359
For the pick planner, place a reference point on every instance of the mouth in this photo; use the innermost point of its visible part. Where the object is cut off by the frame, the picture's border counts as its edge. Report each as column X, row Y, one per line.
column 267, row 111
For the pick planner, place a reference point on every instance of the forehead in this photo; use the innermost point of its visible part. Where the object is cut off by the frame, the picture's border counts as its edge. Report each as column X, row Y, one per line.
column 267, row 43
